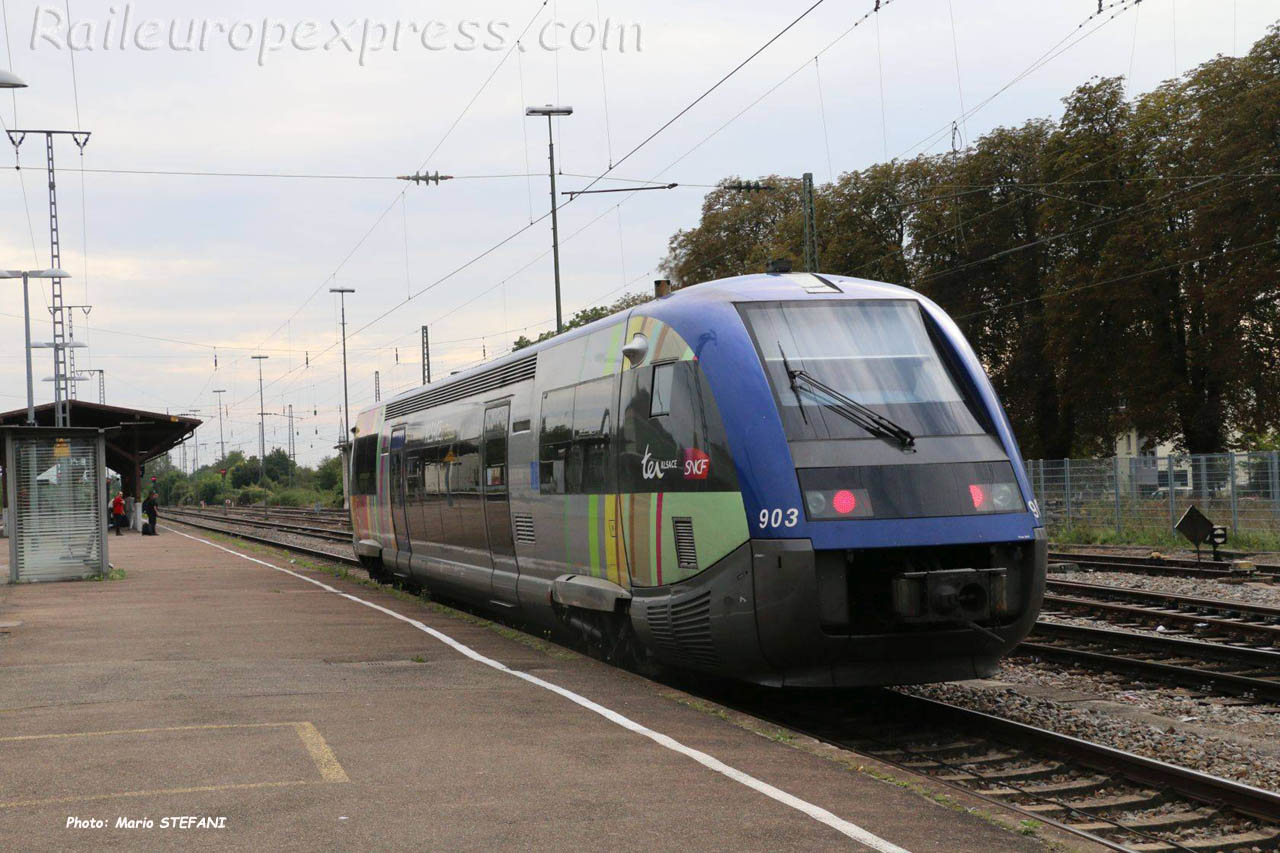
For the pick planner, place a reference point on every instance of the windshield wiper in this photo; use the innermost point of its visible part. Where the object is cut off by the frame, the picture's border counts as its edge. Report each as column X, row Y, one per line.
column 786, row 365
column 847, row 407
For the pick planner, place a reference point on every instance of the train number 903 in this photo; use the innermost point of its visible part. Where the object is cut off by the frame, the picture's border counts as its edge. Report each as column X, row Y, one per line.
column 777, row 517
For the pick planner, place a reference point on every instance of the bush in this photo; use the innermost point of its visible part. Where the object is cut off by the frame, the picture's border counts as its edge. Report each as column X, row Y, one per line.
column 250, row 495
column 298, row 497
column 209, row 489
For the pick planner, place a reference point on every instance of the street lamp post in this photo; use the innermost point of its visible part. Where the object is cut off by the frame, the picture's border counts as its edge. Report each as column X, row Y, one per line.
column 262, row 423
column 346, row 403
column 550, row 111
column 221, row 443
column 26, row 275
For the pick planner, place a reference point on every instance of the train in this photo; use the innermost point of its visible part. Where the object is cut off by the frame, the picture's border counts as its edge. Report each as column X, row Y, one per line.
column 789, row 479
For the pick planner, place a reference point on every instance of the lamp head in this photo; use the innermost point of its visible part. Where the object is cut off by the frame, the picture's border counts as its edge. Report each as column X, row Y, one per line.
column 9, row 80
column 549, row 110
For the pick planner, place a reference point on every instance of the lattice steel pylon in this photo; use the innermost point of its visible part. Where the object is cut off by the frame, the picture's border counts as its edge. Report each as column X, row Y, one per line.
column 73, row 374
column 62, row 378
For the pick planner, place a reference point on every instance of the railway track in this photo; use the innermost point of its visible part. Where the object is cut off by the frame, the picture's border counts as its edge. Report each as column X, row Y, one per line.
column 331, row 534
column 203, row 523
column 1120, row 800
column 1211, row 668
column 1167, row 566
column 1247, row 623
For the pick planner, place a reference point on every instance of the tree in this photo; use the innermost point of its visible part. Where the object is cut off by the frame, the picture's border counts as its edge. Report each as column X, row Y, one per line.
column 585, row 316
column 329, row 474
column 244, row 473
column 1114, row 269
column 278, row 465
column 739, row 233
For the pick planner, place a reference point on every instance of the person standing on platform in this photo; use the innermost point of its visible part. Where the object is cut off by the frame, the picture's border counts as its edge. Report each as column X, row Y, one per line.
column 117, row 512
column 149, row 508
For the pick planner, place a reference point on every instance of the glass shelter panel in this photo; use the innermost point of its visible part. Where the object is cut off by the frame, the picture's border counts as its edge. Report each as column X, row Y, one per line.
column 58, row 507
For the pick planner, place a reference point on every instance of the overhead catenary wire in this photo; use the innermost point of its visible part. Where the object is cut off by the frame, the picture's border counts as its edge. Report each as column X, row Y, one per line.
column 822, row 110
column 600, row 177
column 22, row 180
column 955, row 52
column 422, row 166
column 700, row 98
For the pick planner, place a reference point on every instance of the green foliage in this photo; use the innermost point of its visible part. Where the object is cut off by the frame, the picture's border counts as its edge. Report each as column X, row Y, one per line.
column 252, row 495
column 278, row 465
column 329, row 474
column 1113, row 269
column 585, row 316
column 286, row 483
column 243, row 473
column 209, row 488
column 302, row 497
column 171, row 485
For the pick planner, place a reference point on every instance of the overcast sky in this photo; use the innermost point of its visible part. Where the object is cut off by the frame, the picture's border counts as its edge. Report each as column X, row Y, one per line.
column 178, row 265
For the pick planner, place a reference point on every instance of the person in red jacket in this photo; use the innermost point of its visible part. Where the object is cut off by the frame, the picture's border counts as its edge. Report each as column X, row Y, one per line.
column 117, row 512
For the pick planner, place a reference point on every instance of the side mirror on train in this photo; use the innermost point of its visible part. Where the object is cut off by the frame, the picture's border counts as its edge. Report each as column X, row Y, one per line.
column 636, row 350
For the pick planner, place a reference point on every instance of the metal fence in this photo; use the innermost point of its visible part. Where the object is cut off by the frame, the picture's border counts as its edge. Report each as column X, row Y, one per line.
column 1148, row 494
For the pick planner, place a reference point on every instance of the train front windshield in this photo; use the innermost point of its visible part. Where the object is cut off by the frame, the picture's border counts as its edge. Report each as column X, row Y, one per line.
column 877, row 353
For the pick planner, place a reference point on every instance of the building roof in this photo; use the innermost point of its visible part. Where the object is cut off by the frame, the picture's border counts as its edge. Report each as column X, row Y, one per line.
column 134, row 436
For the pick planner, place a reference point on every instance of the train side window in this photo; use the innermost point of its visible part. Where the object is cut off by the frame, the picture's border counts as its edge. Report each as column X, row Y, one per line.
column 555, row 439
column 664, row 377
column 365, row 465
column 589, row 471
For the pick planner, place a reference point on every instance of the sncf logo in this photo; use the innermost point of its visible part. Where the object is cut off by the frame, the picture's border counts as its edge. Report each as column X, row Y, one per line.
column 697, row 465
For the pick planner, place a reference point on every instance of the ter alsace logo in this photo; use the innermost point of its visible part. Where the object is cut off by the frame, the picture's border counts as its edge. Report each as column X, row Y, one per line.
column 696, row 465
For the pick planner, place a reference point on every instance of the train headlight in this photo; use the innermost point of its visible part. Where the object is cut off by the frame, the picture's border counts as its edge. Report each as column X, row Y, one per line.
column 994, row 497
column 837, row 504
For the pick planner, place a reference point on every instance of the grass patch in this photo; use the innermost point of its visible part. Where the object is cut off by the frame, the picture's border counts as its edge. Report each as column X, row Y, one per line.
column 111, row 575
column 418, row 659
column 1084, row 534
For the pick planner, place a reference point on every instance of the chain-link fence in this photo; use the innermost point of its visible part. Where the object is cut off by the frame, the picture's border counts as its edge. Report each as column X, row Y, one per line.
column 1142, row 496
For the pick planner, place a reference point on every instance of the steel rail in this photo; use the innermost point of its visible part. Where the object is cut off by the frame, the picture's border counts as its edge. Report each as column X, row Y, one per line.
column 1155, row 598
column 1266, row 633
column 329, row 533
column 1202, row 787
column 275, row 543
column 1114, row 660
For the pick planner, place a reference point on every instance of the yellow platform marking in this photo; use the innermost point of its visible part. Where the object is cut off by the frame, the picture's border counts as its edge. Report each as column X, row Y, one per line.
column 326, row 762
column 85, row 798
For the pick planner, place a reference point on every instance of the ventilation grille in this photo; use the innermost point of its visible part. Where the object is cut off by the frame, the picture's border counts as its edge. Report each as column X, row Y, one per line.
column 524, row 528
column 683, row 630
column 488, row 380
column 686, row 548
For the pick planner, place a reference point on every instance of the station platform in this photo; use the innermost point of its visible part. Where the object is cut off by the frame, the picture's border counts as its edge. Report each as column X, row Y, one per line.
column 211, row 700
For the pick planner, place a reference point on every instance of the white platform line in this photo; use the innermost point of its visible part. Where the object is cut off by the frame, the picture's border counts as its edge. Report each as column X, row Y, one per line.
column 839, row 824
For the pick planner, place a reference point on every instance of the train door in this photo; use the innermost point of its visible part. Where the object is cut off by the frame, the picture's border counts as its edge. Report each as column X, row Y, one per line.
column 497, row 502
column 399, row 519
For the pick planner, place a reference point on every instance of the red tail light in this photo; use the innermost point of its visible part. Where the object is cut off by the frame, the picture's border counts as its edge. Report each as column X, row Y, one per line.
column 844, row 502
column 978, row 495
